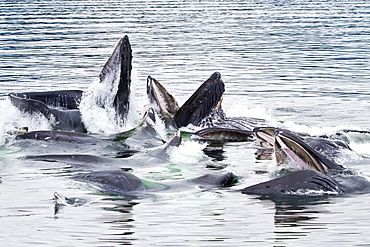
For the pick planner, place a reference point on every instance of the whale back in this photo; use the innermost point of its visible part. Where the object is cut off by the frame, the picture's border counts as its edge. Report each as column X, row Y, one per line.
column 113, row 182
column 297, row 182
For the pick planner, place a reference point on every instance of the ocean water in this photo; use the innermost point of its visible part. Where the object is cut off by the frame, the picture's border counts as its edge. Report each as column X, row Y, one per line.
column 302, row 64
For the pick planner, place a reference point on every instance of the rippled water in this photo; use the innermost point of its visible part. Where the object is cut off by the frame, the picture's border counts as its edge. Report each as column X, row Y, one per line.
column 304, row 63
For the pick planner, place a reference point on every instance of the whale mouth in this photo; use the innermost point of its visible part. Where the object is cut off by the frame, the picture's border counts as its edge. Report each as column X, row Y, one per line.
column 290, row 148
column 63, row 99
column 265, row 136
column 202, row 103
column 158, row 95
column 228, row 134
column 287, row 148
column 205, row 100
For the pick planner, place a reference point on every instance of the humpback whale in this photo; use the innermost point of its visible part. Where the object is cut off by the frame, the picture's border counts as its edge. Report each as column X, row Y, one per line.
column 316, row 172
column 200, row 105
column 203, row 109
column 287, row 145
column 167, row 104
column 329, row 148
column 226, row 133
column 60, row 136
column 62, row 107
column 118, row 182
column 144, row 135
column 113, row 182
column 142, row 138
column 309, row 181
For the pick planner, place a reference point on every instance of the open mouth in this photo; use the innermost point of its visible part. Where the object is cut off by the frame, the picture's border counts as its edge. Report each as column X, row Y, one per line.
column 288, row 148
column 215, row 133
column 265, row 136
column 161, row 97
column 291, row 148
column 201, row 103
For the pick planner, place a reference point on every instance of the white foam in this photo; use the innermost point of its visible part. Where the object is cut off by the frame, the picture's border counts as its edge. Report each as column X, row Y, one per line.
column 245, row 109
column 11, row 118
column 189, row 152
column 362, row 148
column 306, row 192
column 96, row 118
column 138, row 105
column 97, row 111
column 314, row 130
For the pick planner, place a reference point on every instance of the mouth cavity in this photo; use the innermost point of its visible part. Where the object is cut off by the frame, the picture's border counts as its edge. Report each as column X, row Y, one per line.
column 265, row 135
column 297, row 154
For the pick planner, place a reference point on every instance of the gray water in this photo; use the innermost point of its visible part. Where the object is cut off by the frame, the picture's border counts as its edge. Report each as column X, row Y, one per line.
column 304, row 64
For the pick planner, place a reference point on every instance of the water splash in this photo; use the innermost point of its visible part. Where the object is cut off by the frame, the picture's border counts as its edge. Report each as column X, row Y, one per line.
column 361, row 148
column 245, row 109
column 306, row 192
column 314, row 130
column 97, row 110
column 12, row 118
column 189, row 152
